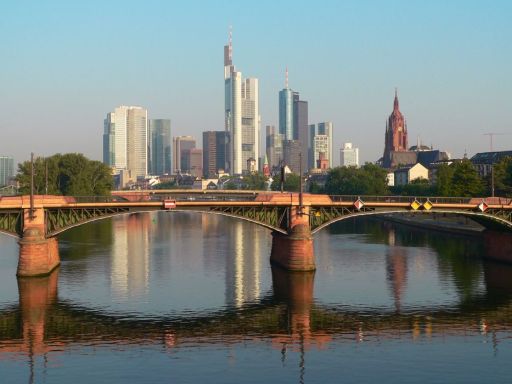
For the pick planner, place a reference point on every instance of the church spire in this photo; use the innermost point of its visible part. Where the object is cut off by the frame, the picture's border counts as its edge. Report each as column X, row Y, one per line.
column 395, row 105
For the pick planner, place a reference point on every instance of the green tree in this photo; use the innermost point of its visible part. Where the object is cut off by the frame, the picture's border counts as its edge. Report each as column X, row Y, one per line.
column 502, row 177
column 443, row 186
column 417, row 187
column 255, row 181
column 291, row 183
column 68, row 174
column 370, row 179
column 465, row 180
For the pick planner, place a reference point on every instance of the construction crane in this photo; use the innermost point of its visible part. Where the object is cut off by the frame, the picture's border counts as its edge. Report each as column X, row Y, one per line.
column 491, row 136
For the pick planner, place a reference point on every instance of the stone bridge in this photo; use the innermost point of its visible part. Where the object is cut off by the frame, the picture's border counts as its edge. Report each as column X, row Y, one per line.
column 293, row 218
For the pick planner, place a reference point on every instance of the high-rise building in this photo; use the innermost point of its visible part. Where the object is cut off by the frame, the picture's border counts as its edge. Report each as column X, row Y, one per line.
column 293, row 120
column 160, row 147
column 195, row 160
column 396, row 134
column 292, row 154
column 214, row 152
column 274, row 141
column 349, row 156
column 241, row 114
column 320, row 140
column 286, row 114
column 6, row 170
column 180, row 146
column 125, row 140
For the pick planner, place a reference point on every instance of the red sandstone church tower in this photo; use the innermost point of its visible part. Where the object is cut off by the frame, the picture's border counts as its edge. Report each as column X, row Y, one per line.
column 396, row 134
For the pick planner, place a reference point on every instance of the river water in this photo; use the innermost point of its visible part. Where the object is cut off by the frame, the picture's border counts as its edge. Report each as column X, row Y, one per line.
column 191, row 298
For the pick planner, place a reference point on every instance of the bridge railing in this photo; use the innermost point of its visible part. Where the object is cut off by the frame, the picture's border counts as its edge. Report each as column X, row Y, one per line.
column 406, row 199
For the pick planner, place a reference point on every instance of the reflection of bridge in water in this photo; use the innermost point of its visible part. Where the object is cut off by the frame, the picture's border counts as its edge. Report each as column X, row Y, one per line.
column 293, row 218
column 288, row 318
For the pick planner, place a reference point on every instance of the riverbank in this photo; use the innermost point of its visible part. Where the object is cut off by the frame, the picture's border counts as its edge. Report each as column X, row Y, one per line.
column 437, row 221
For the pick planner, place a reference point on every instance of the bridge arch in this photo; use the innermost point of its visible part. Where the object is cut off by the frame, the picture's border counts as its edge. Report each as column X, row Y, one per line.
column 487, row 220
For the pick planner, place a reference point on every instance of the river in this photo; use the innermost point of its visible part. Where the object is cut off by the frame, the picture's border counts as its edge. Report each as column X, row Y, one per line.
column 191, row 298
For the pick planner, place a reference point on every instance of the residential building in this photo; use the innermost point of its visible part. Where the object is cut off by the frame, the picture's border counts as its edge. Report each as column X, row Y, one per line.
column 180, row 157
column 405, row 175
column 241, row 114
column 349, row 156
column 6, row 170
column 160, row 148
column 215, row 145
column 484, row 161
column 125, row 140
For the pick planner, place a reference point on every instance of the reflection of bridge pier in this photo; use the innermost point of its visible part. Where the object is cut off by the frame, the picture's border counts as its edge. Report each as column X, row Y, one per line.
column 36, row 294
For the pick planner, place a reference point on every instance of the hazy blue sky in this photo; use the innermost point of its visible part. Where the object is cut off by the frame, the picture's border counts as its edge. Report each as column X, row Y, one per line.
column 66, row 64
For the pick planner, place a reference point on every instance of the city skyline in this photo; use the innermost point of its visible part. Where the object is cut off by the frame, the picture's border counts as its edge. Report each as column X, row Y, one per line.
column 449, row 61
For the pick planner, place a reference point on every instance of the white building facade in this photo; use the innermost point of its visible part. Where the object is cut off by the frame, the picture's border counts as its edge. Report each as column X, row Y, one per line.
column 241, row 115
column 349, row 156
column 125, row 140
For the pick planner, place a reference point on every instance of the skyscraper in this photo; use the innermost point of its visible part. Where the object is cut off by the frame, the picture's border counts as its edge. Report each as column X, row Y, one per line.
column 6, row 170
column 293, row 121
column 214, row 152
column 349, row 155
column 396, row 134
column 180, row 146
column 274, row 141
column 160, row 148
column 241, row 114
column 125, row 141
column 320, row 140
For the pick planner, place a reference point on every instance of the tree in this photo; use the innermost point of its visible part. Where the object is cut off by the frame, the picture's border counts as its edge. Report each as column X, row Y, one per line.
column 291, row 183
column 370, row 179
column 503, row 177
column 465, row 180
column 68, row 174
column 443, row 186
column 417, row 187
column 255, row 182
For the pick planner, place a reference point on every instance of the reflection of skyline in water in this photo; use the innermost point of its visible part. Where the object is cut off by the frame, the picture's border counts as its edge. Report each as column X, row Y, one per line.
column 216, row 246
column 130, row 255
column 200, row 288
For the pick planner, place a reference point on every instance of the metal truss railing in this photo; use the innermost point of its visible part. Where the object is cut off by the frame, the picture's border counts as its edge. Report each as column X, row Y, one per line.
column 271, row 217
column 11, row 221
column 59, row 219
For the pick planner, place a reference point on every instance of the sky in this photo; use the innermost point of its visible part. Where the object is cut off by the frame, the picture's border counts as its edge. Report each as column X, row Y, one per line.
column 65, row 64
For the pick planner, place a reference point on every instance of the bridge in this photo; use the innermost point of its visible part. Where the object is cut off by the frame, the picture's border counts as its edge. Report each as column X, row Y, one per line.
column 293, row 218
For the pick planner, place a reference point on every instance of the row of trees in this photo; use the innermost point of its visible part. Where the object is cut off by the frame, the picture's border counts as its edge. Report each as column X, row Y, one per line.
column 67, row 174
column 456, row 179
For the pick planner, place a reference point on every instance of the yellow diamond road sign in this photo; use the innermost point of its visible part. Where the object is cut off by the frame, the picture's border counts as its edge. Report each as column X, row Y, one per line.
column 415, row 205
column 427, row 205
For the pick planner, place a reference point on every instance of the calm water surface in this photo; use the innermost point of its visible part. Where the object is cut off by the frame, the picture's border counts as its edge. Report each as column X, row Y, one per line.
column 189, row 298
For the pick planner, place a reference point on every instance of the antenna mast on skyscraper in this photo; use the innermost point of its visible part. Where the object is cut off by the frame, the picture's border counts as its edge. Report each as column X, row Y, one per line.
column 286, row 78
column 230, row 43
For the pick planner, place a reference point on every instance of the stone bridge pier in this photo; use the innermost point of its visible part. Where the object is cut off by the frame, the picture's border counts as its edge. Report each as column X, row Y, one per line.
column 38, row 255
column 294, row 251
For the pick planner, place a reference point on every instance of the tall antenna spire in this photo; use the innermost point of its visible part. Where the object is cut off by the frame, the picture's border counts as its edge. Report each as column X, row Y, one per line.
column 286, row 78
column 230, row 42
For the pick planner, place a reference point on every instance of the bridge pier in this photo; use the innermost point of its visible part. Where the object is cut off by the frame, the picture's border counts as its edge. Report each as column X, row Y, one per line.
column 498, row 245
column 38, row 256
column 294, row 251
